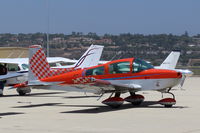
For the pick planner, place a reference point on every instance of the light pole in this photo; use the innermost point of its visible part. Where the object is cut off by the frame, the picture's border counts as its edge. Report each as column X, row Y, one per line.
column 47, row 34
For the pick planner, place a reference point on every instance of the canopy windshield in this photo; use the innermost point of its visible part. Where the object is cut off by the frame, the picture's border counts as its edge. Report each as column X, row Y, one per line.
column 140, row 65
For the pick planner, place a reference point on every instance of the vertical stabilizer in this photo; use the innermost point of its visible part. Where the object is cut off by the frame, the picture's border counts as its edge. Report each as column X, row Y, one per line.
column 91, row 57
column 38, row 66
column 171, row 61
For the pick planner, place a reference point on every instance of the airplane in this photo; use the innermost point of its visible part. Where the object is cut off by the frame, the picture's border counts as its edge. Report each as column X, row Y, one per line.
column 90, row 58
column 115, row 77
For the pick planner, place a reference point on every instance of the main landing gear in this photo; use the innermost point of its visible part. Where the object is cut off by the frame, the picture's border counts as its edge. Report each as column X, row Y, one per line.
column 135, row 99
column 168, row 102
column 23, row 91
column 114, row 102
column 117, row 101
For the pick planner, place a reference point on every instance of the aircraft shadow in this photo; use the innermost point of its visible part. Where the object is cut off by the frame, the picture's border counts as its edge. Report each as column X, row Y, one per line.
column 43, row 94
column 37, row 105
column 10, row 113
column 74, row 97
column 35, row 94
column 104, row 108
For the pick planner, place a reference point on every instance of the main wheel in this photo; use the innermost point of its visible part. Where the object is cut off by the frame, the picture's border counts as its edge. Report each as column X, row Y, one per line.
column 135, row 99
column 168, row 106
column 114, row 102
column 21, row 93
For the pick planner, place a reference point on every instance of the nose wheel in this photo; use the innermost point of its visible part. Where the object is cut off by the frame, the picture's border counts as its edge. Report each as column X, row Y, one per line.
column 168, row 102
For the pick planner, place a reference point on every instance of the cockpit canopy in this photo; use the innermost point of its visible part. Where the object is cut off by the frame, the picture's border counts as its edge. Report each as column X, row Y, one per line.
column 138, row 65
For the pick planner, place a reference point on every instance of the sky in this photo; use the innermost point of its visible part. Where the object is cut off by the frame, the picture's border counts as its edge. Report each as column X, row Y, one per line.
column 100, row 16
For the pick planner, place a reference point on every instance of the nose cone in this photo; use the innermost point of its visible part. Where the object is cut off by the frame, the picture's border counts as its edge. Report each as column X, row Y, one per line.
column 186, row 72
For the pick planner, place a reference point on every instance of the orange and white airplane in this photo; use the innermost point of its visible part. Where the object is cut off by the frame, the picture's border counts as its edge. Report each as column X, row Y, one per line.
column 115, row 77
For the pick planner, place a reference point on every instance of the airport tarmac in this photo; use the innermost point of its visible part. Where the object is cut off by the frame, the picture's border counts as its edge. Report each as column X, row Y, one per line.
column 71, row 112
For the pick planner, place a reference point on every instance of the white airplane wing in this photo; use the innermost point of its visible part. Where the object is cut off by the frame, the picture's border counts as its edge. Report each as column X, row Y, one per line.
column 25, row 60
column 59, row 60
column 14, row 60
column 10, row 75
column 115, row 84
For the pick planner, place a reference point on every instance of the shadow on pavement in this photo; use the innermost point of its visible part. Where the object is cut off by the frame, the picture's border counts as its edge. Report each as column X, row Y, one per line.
column 10, row 113
column 37, row 105
column 71, row 97
column 104, row 108
column 35, row 94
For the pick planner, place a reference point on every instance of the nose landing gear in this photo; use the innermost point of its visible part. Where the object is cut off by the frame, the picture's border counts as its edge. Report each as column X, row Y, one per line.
column 168, row 102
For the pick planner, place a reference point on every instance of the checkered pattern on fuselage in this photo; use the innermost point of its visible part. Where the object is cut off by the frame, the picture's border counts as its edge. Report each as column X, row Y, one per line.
column 82, row 80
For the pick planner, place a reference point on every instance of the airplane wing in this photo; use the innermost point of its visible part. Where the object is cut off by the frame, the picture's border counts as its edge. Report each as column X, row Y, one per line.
column 117, row 85
column 102, row 86
column 59, row 60
column 96, row 86
column 14, row 60
column 25, row 60
column 10, row 75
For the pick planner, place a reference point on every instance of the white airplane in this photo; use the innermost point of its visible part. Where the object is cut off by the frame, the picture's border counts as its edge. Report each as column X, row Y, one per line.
column 20, row 66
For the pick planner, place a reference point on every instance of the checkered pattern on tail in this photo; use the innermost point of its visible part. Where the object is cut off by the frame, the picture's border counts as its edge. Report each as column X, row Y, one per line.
column 39, row 65
column 41, row 68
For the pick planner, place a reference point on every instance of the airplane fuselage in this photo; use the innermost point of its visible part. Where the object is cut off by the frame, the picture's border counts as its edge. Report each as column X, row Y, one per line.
column 149, row 79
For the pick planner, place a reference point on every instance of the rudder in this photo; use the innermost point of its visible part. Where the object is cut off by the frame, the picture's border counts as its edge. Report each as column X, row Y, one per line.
column 38, row 66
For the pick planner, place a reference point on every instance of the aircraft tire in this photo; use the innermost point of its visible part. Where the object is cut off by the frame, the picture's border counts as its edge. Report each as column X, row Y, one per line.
column 21, row 93
column 168, row 106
